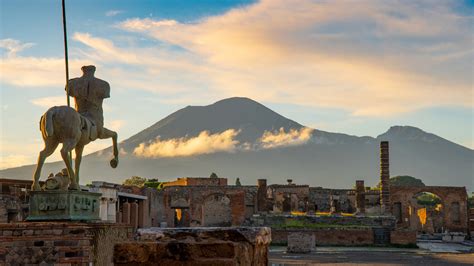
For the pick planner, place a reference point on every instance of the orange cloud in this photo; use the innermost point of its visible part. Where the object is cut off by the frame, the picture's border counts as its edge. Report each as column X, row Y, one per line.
column 204, row 143
column 293, row 137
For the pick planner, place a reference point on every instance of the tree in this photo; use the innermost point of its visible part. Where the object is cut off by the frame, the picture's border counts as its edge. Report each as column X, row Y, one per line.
column 405, row 180
column 134, row 181
column 214, row 175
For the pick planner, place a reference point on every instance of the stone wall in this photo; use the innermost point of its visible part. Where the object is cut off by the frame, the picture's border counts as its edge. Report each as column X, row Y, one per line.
column 196, row 246
column 328, row 236
column 59, row 242
column 403, row 237
column 193, row 206
column 405, row 200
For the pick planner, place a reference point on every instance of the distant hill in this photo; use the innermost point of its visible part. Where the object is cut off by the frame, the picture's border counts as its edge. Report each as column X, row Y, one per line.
column 325, row 159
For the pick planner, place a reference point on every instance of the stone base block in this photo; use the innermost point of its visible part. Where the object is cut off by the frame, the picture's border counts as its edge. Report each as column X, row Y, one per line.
column 64, row 205
column 196, row 246
column 403, row 237
column 301, row 242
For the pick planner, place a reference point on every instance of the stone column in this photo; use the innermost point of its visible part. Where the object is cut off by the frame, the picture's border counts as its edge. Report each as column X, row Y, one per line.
column 126, row 213
column 103, row 209
column 134, row 214
column 111, row 211
column 143, row 214
column 261, row 195
column 360, row 196
column 384, row 177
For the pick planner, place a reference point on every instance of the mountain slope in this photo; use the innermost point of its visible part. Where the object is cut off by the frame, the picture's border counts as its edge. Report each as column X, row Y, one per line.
column 327, row 159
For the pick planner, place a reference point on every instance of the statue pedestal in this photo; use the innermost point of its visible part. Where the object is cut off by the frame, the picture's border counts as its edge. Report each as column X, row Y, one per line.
column 64, row 205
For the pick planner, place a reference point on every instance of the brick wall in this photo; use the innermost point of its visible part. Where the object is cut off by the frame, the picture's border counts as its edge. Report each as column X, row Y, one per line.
column 403, row 237
column 329, row 237
column 59, row 242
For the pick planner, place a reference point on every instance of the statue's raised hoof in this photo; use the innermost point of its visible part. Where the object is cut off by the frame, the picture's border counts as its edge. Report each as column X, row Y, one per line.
column 114, row 163
column 74, row 186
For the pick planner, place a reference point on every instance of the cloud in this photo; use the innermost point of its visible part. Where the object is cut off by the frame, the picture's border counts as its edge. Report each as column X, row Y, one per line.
column 115, row 124
column 14, row 46
column 371, row 58
column 30, row 71
column 204, row 143
column 293, row 137
column 47, row 102
column 14, row 161
column 112, row 13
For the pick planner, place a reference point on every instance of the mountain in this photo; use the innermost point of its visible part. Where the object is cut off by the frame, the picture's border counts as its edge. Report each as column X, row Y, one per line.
column 318, row 159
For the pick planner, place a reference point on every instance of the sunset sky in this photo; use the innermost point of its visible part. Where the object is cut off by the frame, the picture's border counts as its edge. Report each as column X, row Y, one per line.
column 355, row 67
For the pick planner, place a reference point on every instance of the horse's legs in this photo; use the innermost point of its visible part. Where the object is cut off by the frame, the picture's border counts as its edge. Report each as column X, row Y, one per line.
column 50, row 145
column 77, row 163
column 107, row 133
column 68, row 145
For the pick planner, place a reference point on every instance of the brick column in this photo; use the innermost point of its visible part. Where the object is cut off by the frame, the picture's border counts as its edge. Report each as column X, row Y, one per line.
column 143, row 219
column 126, row 213
column 384, row 177
column 261, row 195
column 360, row 196
column 134, row 214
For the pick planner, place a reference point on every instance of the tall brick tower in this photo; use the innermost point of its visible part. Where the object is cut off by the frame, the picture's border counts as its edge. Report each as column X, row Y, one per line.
column 384, row 177
column 261, row 195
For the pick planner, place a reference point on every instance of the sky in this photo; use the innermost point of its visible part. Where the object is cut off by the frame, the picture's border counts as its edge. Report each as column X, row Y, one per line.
column 355, row 67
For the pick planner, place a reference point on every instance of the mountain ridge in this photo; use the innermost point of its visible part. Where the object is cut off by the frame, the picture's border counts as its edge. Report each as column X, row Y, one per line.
column 326, row 159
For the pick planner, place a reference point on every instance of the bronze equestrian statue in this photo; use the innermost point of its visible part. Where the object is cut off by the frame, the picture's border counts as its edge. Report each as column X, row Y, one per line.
column 76, row 128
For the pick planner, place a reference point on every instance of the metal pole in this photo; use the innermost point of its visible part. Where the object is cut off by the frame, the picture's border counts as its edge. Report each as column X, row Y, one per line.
column 67, row 66
column 65, row 52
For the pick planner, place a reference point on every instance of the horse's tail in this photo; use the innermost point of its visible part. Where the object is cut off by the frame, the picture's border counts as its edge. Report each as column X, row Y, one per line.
column 46, row 123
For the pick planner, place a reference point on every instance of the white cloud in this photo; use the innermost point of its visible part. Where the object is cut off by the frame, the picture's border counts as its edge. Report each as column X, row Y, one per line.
column 47, row 102
column 112, row 13
column 281, row 138
column 115, row 124
column 362, row 56
column 204, row 143
column 14, row 161
column 14, row 46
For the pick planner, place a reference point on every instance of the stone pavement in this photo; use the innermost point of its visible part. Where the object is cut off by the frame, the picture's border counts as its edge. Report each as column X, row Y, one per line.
column 440, row 254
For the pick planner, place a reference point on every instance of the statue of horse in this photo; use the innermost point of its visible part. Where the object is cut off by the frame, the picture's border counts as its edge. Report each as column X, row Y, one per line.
column 62, row 124
column 75, row 128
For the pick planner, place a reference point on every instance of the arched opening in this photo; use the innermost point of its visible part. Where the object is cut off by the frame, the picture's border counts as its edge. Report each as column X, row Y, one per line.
column 428, row 212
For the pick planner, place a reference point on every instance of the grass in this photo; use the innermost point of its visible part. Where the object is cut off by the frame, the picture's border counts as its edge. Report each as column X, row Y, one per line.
column 289, row 224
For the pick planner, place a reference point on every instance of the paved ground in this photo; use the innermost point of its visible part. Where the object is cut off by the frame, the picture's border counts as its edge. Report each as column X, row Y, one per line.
column 369, row 256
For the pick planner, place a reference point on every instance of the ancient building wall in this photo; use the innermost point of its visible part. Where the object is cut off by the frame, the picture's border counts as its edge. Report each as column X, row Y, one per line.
column 287, row 198
column 453, row 201
column 320, row 199
column 205, row 205
column 62, row 243
column 329, row 236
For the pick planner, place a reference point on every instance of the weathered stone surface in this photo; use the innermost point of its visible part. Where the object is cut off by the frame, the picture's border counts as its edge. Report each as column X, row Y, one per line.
column 196, row 246
column 78, row 244
column 403, row 237
column 63, row 205
column 301, row 242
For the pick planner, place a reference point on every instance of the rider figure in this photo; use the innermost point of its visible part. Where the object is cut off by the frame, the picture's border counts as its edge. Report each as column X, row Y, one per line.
column 89, row 93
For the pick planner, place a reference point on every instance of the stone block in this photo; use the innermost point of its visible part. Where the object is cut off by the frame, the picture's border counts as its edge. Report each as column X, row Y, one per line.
column 196, row 246
column 63, row 205
column 301, row 242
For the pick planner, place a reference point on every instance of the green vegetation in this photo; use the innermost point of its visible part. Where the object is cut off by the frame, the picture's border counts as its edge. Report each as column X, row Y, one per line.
column 153, row 183
column 213, row 175
column 428, row 199
column 308, row 225
column 404, row 180
column 470, row 201
column 134, row 181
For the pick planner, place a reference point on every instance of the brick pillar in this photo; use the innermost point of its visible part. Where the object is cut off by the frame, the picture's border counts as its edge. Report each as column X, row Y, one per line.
column 360, row 196
column 126, row 213
column 134, row 214
column 384, row 177
column 261, row 195
column 143, row 220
